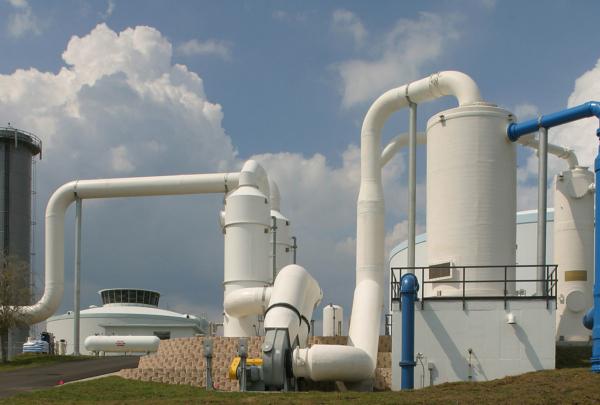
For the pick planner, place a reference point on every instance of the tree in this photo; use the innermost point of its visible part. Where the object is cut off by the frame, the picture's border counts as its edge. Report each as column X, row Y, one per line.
column 14, row 292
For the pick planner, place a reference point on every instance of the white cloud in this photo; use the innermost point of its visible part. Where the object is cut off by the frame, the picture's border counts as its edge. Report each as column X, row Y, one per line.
column 120, row 107
column 525, row 111
column 209, row 47
column 345, row 22
column 22, row 20
column 110, row 9
column 405, row 50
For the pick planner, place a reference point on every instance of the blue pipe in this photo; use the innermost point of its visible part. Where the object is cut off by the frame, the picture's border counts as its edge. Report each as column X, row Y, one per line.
column 516, row 130
column 409, row 286
column 589, row 109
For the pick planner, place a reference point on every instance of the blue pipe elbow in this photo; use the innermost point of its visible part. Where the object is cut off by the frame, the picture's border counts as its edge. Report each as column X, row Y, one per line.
column 589, row 109
column 588, row 319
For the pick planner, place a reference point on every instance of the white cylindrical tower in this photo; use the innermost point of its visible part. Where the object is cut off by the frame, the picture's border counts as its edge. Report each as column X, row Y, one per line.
column 246, row 227
column 471, row 199
column 280, row 234
column 573, row 251
column 333, row 320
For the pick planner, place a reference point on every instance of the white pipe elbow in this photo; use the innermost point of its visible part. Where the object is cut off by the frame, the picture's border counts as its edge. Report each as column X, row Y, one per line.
column 398, row 143
column 253, row 174
column 457, row 84
column 559, row 151
column 247, row 301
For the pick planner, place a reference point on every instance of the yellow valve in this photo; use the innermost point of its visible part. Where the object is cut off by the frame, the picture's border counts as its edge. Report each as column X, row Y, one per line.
column 235, row 363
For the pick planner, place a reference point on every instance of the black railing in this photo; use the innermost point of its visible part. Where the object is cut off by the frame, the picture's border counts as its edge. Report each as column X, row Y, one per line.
column 549, row 281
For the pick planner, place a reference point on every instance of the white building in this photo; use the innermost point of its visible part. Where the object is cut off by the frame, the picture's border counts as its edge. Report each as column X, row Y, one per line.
column 126, row 311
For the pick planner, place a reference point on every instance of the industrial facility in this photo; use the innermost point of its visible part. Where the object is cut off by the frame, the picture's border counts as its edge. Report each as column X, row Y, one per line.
column 18, row 148
column 488, row 292
column 125, row 312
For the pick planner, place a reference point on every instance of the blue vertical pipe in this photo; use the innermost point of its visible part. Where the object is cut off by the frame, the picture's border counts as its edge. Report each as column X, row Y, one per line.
column 514, row 132
column 595, row 359
column 409, row 286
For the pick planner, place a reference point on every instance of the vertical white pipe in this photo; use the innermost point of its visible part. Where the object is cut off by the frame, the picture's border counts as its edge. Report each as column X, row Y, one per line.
column 77, row 277
column 542, row 203
column 412, row 184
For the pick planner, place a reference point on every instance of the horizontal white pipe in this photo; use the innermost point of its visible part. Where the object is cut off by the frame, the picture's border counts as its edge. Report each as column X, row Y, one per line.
column 129, row 344
column 556, row 150
column 106, row 188
column 331, row 362
column 247, row 301
column 398, row 143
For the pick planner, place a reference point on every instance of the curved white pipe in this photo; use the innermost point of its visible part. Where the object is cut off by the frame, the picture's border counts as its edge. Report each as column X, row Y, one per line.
column 398, row 143
column 252, row 174
column 247, row 301
column 295, row 288
column 367, row 305
column 558, row 151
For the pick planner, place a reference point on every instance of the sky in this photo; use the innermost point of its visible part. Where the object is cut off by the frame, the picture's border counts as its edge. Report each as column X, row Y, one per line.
column 143, row 88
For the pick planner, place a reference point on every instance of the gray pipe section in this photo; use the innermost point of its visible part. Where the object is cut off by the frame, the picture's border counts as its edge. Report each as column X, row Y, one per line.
column 542, row 208
column 412, row 184
column 77, row 278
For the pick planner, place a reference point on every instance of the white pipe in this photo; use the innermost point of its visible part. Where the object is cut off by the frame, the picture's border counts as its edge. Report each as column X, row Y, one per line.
column 556, row 150
column 398, row 143
column 295, row 288
column 247, row 301
column 105, row 188
column 367, row 305
column 275, row 196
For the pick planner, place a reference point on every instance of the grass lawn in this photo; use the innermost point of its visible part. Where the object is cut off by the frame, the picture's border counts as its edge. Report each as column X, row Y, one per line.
column 573, row 383
column 36, row 360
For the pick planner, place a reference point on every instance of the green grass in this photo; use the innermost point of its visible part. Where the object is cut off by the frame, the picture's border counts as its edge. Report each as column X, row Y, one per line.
column 35, row 360
column 571, row 383
column 575, row 385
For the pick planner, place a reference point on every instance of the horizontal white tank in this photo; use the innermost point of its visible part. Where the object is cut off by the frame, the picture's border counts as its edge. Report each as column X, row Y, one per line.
column 573, row 251
column 471, row 197
column 129, row 344
column 333, row 320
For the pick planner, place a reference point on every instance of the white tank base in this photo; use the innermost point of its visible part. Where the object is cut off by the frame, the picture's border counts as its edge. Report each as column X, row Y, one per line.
column 504, row 342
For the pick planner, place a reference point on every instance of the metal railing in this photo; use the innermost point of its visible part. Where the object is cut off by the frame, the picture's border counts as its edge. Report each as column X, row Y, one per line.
column 550, row 282
column 18, row 135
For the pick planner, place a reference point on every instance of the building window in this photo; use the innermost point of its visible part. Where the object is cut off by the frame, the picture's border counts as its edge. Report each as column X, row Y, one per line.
column 163, row 335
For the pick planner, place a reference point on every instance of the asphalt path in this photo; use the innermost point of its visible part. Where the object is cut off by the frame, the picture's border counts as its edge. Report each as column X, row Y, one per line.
column 29, row 379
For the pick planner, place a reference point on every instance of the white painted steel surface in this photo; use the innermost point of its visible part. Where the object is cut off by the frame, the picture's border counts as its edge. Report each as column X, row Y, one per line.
column 333, row 320
column 283, row 241
column 293, row 286
column 471, row 195
column 122, row 344
column 574, row 251
column 246, row 260
column 247, row 301
column 367, row 305
column 444, row 333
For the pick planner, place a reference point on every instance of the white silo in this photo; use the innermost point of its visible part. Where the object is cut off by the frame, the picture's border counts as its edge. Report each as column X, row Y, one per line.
column 471, row 198
column 333, row 320
column 573, row 251
column 246, row 227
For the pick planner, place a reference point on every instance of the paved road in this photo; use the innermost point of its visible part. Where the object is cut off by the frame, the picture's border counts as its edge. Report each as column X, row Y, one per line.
column 29, row 379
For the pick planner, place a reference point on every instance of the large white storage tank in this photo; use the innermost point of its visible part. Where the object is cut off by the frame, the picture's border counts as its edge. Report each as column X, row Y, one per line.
column 471, row 198
column 574, row 251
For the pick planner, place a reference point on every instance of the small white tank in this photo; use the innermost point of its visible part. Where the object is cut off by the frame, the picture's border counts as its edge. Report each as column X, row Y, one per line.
column 333, row 320
column 122, row 344
column 471, row 198
column 573, row 251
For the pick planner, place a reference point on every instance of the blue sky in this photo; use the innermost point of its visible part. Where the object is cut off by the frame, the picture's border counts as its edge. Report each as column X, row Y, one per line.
column 286, row 82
